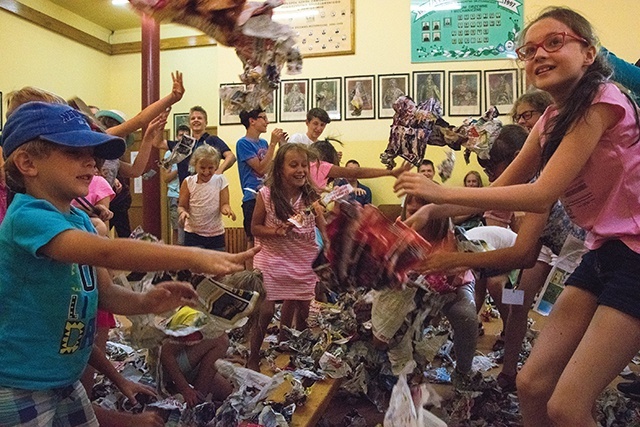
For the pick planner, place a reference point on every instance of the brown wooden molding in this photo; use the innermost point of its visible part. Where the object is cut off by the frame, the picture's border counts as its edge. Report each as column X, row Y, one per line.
column 66, row 30
column 165, row 44
column 52, row 24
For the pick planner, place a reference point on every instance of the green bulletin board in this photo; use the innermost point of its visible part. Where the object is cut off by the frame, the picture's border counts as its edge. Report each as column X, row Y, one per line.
column 464, row 30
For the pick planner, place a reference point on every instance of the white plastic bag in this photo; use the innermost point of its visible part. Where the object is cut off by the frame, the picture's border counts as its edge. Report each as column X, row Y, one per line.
column 405, row 412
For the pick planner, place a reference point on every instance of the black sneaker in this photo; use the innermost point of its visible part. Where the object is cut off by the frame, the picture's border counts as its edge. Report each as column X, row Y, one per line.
column 630, row 389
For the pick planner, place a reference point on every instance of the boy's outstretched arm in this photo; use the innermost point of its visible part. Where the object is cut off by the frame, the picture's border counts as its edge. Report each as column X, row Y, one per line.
column 162, row 297
column 81, row 247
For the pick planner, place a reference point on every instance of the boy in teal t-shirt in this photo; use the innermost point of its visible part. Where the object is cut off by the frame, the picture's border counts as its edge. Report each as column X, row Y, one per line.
column 49, row 254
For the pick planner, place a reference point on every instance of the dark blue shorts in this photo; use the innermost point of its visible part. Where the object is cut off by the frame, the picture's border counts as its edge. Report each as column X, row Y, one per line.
column 247, row 211
column 611, row 273
column 215, row 242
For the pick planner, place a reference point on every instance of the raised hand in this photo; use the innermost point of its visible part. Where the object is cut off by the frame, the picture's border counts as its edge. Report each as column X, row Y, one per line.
column 178, row 89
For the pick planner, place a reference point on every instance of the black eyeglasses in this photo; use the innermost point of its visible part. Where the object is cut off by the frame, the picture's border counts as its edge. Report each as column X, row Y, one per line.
column 525, row 115
column 553, row 43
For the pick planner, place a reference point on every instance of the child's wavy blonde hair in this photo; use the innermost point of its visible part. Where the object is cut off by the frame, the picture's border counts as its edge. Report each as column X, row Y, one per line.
column 28, row 94
column 205, row 152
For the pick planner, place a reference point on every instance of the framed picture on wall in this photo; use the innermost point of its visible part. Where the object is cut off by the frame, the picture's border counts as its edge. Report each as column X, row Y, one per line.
column 180, row 119
column 390, row 88
column 359, row 97
column 428, row 84
column 523, row 82
column 294, row 100
column 327, row 94
column 464, row 93
column 501, row 89
column 228, row 114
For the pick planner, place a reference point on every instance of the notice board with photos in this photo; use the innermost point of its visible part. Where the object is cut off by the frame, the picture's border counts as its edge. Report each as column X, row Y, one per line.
column 322, row 27
column 464, row 30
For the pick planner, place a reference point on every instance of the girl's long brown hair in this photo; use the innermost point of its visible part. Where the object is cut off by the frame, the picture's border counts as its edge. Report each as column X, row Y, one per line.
column 579, row 100
column 275, row 183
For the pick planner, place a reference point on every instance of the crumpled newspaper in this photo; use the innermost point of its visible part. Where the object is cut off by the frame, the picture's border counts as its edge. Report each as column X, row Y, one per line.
column 416, row 126
column 181, row 151
column 364, row 243
column 263, row 45
column 411, row 128
column 480, row 133
column 445, row 169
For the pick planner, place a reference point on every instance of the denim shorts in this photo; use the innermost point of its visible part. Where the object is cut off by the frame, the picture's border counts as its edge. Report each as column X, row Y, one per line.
column 612, row 274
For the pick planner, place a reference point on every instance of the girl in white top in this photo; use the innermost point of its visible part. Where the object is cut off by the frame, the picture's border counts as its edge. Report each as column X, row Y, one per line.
column 204, row 198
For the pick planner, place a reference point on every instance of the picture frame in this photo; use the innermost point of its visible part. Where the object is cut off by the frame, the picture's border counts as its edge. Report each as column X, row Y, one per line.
column 501, row 89
column 429, row 84
column 359, row 97
column 465, row 93
column 523, row 82
column 227, row 114
column 294, row 100
column 180, row 119
column 326, row 93
column 390, row 88
column 272, row 108
column 323, row 28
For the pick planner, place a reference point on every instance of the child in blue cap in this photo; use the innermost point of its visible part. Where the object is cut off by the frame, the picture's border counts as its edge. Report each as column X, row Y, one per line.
column 49, row 252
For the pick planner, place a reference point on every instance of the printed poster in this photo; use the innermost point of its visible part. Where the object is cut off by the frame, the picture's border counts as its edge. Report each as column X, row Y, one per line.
column 464, row 30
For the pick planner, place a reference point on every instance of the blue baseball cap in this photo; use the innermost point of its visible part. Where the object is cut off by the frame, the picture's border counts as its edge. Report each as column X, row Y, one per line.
column 59, row 124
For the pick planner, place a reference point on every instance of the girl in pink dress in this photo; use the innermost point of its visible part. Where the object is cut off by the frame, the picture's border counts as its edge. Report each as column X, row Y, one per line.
column 284, row 225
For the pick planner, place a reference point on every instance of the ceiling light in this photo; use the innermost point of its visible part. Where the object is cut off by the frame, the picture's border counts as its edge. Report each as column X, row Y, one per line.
column 119, row 2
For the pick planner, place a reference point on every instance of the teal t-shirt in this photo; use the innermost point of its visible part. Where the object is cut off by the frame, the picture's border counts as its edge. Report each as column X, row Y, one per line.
column 47, row 308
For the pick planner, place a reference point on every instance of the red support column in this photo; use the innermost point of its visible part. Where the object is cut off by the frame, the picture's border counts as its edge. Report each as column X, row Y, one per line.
column 150, row 94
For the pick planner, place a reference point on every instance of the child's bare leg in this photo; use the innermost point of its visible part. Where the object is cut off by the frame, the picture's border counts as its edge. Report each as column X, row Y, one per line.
column 563, row 331
column 591, row 369
column 286, row 316
column 208, row 380
column 257, row 337
column 302, row 314
column 495, row 286
column 531, row 281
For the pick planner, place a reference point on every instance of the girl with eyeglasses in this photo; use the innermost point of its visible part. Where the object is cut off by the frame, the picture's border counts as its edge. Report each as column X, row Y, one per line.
column 529, row 107
column 586, row 150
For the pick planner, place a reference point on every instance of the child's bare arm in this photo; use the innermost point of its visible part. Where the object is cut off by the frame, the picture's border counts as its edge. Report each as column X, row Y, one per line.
column 183, row 203
column 225, row 207
column 162, row 297
column 81, row 247
column 151, row 135
column 258, row 228
column 149, row 113
column 129, row 388
column 522, row 254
